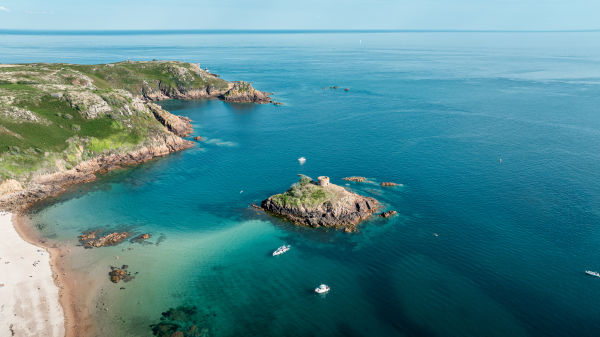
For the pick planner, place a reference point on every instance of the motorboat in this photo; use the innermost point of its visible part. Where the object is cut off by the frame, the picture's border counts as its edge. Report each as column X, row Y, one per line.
column 281, row 250
column 302, row 160
column 322, row 289
column 593, row 273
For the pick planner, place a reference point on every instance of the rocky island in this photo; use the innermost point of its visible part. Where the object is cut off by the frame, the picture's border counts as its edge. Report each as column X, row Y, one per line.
column 321, row 203
column 60, row 124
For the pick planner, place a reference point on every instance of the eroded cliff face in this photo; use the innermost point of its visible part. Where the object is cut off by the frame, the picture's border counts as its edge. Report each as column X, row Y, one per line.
column 310, row 204
column 179, row 125
column 47, row 185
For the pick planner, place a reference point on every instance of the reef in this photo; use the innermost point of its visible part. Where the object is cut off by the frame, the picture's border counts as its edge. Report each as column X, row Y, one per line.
column 120, row 274
column 89, row 240
column 183, row 321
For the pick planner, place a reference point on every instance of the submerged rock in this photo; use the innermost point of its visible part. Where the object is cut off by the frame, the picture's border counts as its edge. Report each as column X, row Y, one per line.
column 89, row 240
column 141, row 238
column 120, row 274
column 321, row 204
column 182, row 321
column 87, row 236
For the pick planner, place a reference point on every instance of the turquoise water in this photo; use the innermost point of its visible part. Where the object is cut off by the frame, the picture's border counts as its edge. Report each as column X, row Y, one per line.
column 434, row 111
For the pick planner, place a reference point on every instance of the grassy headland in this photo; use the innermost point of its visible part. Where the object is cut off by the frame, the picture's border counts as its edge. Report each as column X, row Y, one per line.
column 55, row 116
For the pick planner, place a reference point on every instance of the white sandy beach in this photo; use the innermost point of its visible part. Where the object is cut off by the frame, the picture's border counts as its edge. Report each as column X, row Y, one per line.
column 29, row 300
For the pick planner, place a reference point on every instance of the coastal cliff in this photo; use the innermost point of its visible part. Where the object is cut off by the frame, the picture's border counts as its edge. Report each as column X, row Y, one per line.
column 321, row 203
column 61, row 124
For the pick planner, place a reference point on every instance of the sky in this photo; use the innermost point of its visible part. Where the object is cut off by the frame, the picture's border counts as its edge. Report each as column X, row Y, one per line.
column 300, row 14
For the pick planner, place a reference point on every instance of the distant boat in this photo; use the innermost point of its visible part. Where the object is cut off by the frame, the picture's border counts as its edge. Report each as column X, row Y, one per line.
column 281, row 250
column 302, row 160
column 593, row 273
column 322, row 289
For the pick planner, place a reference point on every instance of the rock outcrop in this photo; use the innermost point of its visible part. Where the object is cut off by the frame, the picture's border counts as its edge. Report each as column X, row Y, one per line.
column 243, row 92
column 141, row 238
column 356, row 179
column 389, row 184
column 90, row 241
column 120, row 274
column 388, row 214
column 321, row 204
column 181, row 126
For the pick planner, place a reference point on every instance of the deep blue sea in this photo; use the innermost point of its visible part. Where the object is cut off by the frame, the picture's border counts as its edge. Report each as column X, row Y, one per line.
column 495, row 136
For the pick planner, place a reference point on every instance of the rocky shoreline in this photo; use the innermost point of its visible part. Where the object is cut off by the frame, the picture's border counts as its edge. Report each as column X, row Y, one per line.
column 17, row 194
column 124, row 106
column 50, row 185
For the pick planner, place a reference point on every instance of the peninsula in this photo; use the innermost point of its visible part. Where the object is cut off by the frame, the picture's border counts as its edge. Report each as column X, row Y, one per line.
column 321, row 203
column 60, row 124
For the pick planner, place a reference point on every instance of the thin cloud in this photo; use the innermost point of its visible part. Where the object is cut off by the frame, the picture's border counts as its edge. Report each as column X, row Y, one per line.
column 4, row 9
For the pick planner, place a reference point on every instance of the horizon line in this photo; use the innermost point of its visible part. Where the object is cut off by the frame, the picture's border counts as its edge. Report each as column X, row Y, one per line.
column 271, row 31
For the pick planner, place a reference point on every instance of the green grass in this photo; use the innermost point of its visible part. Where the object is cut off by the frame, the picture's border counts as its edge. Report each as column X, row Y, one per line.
column 67, row 135
column 305, row 193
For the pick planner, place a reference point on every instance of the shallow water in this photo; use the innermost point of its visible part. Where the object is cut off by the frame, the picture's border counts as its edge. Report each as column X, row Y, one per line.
column 434, row 111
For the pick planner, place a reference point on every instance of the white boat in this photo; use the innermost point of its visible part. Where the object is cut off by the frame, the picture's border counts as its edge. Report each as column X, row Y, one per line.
column 593, row 273
column 302, row 160
column 322, row 289
column 281, row 250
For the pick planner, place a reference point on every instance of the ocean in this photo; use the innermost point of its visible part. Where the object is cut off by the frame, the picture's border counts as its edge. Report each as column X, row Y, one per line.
column 495, row 137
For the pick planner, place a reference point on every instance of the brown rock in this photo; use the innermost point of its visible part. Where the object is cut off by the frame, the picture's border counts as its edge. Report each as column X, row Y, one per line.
column 388, row 183
column 356, row 179
column 87, row 236
column 198, row 138
column 107, row 240
column 388, row 214
column 117, row 274
column 243, row 92
column 181, row 126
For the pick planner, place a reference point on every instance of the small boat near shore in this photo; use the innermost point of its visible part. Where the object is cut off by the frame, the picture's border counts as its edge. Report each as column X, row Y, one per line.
column 281, row 250
column 593, row 273
column 322, row 289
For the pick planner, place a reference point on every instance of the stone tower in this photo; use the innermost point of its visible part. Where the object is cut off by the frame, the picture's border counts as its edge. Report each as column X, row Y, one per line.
column 323, row 181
